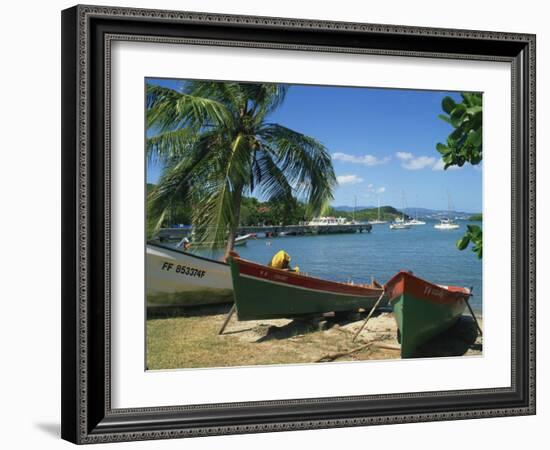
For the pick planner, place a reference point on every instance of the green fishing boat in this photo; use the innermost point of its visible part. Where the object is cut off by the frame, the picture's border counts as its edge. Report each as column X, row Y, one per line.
column 423, row 309
column 263, row 292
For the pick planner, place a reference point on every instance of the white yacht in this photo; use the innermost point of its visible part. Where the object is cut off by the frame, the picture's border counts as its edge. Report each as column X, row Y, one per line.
column 416, row 222
column 399, row 223
column 447, row 223
column 378, row 221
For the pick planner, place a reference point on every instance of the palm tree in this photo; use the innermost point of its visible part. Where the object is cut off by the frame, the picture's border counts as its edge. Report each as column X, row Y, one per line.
column 217, row 144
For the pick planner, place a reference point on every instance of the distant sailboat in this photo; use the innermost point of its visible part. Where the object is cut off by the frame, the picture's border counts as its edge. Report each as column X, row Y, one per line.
column 415, row 221
column 354, row 208
column 378, row 221
column 399, row 223
column 447, row 223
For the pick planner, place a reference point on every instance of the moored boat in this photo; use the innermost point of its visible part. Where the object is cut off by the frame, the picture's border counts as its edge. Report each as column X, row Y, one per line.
column 416, row 222
column 423, row 309
column 242, row 240
column 263, row 292
column 178, row 278
column 446, row 224
column 399, row 226
column 378, row 221
column 399, row 223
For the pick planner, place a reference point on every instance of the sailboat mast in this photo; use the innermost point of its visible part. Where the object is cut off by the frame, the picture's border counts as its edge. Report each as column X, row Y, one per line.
column 354, row 206
column 448, row 205
column 402, row 206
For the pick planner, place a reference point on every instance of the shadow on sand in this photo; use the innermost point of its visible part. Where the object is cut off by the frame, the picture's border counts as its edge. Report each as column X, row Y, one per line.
column 305, row 325
column 171, row 312
column 455, row 341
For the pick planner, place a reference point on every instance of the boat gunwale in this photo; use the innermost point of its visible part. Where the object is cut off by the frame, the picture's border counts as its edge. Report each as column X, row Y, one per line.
column 298, row 276
column 181, row 252
column 452, row 293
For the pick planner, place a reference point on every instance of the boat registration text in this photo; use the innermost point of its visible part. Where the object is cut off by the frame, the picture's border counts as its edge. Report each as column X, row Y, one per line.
column 183, row 270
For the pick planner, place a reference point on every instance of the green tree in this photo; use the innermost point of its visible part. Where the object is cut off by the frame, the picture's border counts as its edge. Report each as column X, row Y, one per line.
column 475, row 236
column 464, row 145
column 217, row 145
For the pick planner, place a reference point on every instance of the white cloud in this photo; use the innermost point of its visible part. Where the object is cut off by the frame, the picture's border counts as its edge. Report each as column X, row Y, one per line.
column 421, row 162
column 367, row 160
column 371, row 189
column 440, row 165
column 404, row 156
column 349, row 179
column 411, row 162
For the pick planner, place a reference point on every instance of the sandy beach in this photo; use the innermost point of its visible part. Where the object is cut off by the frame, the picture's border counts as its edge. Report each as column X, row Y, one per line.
column 189, row 339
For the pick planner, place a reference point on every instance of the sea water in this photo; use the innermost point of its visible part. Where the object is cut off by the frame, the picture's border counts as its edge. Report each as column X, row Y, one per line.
column 426, row 251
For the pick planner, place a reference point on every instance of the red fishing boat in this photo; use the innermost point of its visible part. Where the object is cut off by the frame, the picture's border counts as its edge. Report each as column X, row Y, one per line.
column 263, row 292
column 423, row 309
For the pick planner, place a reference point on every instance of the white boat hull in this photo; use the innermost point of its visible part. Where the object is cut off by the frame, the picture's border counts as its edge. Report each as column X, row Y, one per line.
column 177, row 278
column 446, row 226
column 242, row 240
column 399, row 226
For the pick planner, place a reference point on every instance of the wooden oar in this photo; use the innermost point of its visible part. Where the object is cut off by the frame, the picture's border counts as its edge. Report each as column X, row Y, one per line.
column 226, row 321
column 370, row 314
column 472, row 312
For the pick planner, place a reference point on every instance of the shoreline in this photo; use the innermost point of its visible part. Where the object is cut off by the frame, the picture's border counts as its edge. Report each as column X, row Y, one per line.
column 181, row 340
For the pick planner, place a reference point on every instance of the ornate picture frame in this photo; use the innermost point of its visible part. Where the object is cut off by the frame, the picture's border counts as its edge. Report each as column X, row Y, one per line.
column 87, row 35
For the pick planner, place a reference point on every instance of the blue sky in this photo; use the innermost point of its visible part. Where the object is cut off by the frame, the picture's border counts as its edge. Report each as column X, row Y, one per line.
column 382, row 143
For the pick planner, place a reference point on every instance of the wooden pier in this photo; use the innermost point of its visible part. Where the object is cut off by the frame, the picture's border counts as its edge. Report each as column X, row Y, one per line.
column 277, row 230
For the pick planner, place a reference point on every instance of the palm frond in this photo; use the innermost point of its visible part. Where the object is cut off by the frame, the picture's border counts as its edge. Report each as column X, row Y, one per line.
column 170, row 144
column 229, row 94
column 181, row 178
column 305, row 162
column 269, row 180
column 264, row 98
column 168, row 110
column 226, row 174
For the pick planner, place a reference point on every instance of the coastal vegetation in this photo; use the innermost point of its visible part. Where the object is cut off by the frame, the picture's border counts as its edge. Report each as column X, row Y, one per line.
column 292, row 213
column 464, row 145
column 217, row 145
column 476, row 217
column 273, row 212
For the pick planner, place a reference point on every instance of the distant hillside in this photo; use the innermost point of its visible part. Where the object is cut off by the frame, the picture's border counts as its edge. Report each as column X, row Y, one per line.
column 350, row 208
column 370, row 213
column 436, row 213
column 425, row 213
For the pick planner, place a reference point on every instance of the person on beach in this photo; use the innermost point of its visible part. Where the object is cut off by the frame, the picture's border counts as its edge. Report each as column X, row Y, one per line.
column 281, row 260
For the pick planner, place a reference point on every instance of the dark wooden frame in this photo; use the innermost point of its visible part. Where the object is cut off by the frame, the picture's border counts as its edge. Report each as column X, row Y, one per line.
column 87, row 32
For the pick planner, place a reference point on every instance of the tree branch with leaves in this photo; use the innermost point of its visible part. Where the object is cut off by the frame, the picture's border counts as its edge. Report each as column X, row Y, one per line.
column 464, row 145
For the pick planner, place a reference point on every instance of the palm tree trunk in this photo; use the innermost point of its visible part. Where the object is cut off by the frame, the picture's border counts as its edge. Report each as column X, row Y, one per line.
column 237, row 197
